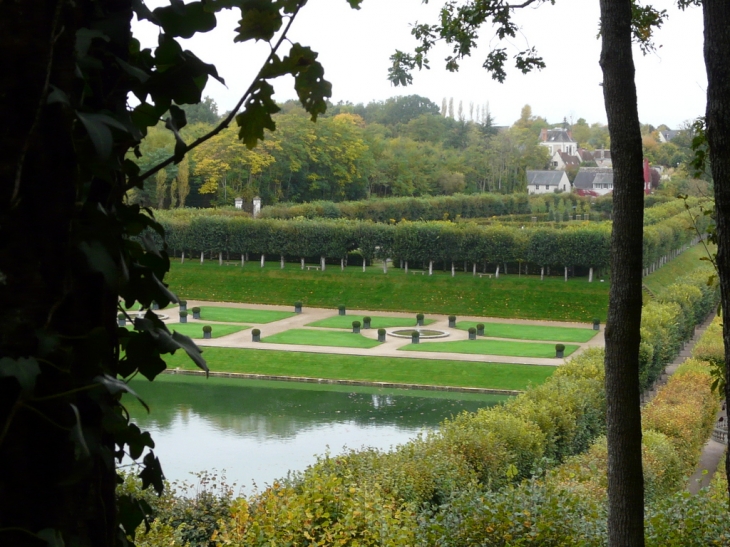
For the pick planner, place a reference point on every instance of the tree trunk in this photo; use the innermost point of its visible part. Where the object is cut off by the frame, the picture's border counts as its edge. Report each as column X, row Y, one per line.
column 505, row 268
column 263, row 260
column 430, row 267
column 496, row 272
column 342, row 264
column 406, row 267
column 364, row 262
column 625, row 477
column 281, row 261
column 220, row 259
column 542, row 273
column 590, row 275
column 474, row 269
column 302, row 263
column 182, row 258
column 385, row 265
column 202, row 257
column 322, row 263
column 243, row 260
column 566, row 274
column 717, row 42
column 453, row 270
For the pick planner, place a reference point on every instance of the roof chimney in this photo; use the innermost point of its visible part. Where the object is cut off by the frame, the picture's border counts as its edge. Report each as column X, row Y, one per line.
column 543, row 135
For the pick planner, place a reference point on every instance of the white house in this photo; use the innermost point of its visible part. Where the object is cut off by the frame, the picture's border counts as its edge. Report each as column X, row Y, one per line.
column 543, row 182
column 561, row 160
column 558, row 140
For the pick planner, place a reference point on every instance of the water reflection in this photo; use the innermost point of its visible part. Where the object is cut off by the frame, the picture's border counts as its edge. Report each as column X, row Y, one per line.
column 258, row 431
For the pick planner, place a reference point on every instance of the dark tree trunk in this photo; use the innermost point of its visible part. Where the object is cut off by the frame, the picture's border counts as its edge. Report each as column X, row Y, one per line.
column 51, row 300
column 717, row 53
column 625, row 478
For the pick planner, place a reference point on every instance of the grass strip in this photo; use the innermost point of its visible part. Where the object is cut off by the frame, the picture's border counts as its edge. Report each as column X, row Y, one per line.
column 531, row 332
column 368, row 368
column 684, row 264
column 308, row 337
column 490, row 347
column 195, row 330
column 509, row 296
column 241, row 315
column 377, row 322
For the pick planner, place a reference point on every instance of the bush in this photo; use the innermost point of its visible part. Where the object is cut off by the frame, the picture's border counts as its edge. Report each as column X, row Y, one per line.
column 297, row 304
column 183, row 314
column 596, row 321
column 183, row 302
column 366, row 319
column 452, row 318
column 256, row 332
column 381, row 331
column 356, row 324
column 207, row 328
column 559, row 347
column 196, row 309
column 341, row 307
column 472, row 330
column 419, row 316
column 121, row 316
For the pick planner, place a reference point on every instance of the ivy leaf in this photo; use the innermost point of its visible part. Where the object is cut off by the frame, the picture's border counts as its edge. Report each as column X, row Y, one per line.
column 260, row 20
column 309, row 82
column 184, row 20
column 132, row 512
column 115, row 386
column 99, row 260
column 24, row 370
column 257, row 115
column 152, row 473
column 193, row 351
column 174, row 123
column 97, row 127
column 77, row 436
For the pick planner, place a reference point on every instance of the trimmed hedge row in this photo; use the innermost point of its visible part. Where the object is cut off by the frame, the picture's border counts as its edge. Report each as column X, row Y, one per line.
column 422, row 242
column 453, row 207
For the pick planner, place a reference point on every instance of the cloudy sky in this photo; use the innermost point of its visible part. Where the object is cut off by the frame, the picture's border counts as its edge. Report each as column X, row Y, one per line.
column 355, row 46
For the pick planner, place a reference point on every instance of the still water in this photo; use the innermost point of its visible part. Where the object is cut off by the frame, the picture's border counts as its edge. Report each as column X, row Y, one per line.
column 257, row 430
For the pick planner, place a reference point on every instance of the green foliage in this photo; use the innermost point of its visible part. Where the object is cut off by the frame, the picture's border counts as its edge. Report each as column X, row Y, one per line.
column 559, row 347
column 207, row 328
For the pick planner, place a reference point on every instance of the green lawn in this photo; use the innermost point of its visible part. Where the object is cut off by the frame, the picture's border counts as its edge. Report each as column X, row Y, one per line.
column 685, row 263
column 524, row 297
column 531, row 332
column 321, row 338
column 490, row 347
column 369, row 369
column 241, row 315
column 195, row 330
column 377, row 322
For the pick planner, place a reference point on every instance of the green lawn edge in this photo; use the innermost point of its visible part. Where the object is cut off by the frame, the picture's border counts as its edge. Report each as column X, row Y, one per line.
column 433, row 372
column 491, row 347
column 531, row 332
column 241, row 315
column 308, row 337
column 195, row 330
column 377, row 322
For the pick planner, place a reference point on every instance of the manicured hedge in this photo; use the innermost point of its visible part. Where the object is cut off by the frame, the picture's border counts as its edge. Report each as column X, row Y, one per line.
column 581, row 245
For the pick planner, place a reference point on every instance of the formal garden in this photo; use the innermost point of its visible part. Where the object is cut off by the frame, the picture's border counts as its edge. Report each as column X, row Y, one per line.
column 540, row 456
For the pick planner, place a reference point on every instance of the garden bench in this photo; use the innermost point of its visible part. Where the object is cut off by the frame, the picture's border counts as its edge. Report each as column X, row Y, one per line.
column 312, row 267
column 416, row 272
column 483, row 274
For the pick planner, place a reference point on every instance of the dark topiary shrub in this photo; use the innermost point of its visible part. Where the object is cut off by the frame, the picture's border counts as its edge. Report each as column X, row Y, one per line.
column 121, row 317
column 381, row 331
column 183, row 314
column 472, row 330
column 596, row 323
column 452, row 321
column 256, row 335
column 207, row 328
column 341, row 308
column 256, row 332
column 559, row 347
column 183, row 302
column 356, row 324
column 419, row 316
column 480, row 329
column 196, row 309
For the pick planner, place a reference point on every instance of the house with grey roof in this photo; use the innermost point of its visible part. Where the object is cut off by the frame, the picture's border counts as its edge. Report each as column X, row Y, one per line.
column 561, row 160
column 594, row 181
column 558, row 140
column 668, row 134
column 544, row 182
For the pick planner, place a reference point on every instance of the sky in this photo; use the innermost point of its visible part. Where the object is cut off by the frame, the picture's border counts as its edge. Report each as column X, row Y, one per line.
column 355, row 45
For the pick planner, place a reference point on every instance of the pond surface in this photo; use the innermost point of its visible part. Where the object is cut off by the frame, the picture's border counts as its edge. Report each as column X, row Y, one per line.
column 257, row 430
